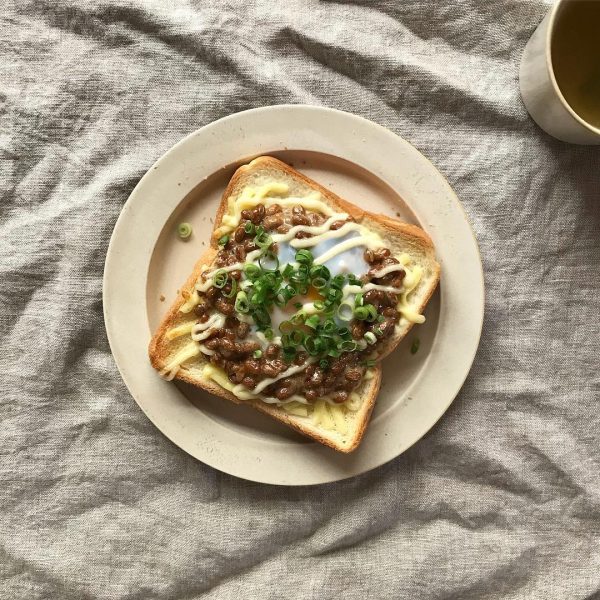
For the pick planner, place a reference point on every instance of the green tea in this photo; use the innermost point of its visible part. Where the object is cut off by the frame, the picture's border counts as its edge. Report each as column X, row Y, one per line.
column 575, row 52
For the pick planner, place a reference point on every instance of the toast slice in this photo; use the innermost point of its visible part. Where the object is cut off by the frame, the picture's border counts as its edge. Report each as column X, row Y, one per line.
column 268, row 181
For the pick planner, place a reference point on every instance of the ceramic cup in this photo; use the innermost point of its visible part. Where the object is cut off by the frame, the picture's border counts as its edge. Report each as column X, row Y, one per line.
column 540, row 92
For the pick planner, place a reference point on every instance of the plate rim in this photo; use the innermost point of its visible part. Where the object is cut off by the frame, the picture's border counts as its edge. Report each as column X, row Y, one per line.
column 206, row 130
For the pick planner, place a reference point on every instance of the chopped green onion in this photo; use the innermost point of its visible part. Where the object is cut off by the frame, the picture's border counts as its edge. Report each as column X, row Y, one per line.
column 289, row 352
column 241, row 303
column 302, row 289
column 320, row 271
column 184, row 230
column 319, row 282
column 329, row 326
column 249, row 227
column 348, row 346
column 231, row 293
column 297, row 337
column 257, row 353
column 298, row 305
column 338, row 281
column 286, row 326
column 263, row 240
column 220, row 278
column 312, row 321
column 370, row 363
column 261, row 317
column 354, row 280
column 334, row 352
column 318, row 305
column 298, row 318
column 287, row 271
column 345, row 312
column 414, row 348
column 372, row 312
column 370, row 337
column 361, row 313
column 358, row 299
column 380, row 318
column 304, row 257
column 251, row 271
column 269, row 262
column 344, row 332
column 223, row 240
column 324, row 364
column 268, row 333
column 377, row 330
column 310, row 345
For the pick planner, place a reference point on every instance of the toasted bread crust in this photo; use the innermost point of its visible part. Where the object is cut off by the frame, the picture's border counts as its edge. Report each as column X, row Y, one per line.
column 412, row 237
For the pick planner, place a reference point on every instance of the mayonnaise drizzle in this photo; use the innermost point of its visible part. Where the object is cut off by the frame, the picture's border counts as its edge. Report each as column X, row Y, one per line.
column 314, row 230
column 326, row 235
column 387, row 270
column 291, row 371
column 370, row 242
column 201, row 331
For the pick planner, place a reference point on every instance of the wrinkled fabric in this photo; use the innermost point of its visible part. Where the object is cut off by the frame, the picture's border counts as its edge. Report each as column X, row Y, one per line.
column 500, row 500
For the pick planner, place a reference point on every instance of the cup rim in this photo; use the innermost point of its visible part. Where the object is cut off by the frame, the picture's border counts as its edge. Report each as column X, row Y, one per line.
column 549, row 35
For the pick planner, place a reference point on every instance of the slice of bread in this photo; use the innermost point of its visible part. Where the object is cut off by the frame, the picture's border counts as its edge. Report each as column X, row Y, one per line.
column 338, row 426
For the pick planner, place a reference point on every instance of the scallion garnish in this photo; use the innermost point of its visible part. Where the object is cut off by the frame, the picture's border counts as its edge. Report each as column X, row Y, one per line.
column 304, row 257
column 320, row 271
column 184, row 230
column 297, row 337
column 338, row 282
column 289, row 352
column 249, row 227
column 345, row 312
column 251, row 271
column 348, row 346
column 329, row 326
column 371, row 312
column 361, row 313
column 220, row 278
column 370, row 363
column 223, row 240
column 241, row 303
column 312, row 321
column 232, row 292
column 269, row 262
column 268, row 333
column 257, row 353
column 286, row 326
column 324, row 364
column 358, row 299
column 370, row 337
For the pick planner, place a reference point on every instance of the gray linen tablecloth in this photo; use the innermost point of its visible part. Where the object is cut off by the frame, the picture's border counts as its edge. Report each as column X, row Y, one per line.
column 500, row 500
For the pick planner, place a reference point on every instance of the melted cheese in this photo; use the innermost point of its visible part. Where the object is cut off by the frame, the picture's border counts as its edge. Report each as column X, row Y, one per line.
column 178, row 331
column 172, row 367
column 219, row 376
column 191, row 301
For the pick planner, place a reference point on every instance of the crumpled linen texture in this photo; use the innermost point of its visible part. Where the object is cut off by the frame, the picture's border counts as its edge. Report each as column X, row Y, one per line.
column 500, row 500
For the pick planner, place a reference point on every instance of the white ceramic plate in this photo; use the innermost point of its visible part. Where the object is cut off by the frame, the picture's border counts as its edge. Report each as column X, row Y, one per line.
column 362, row 162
